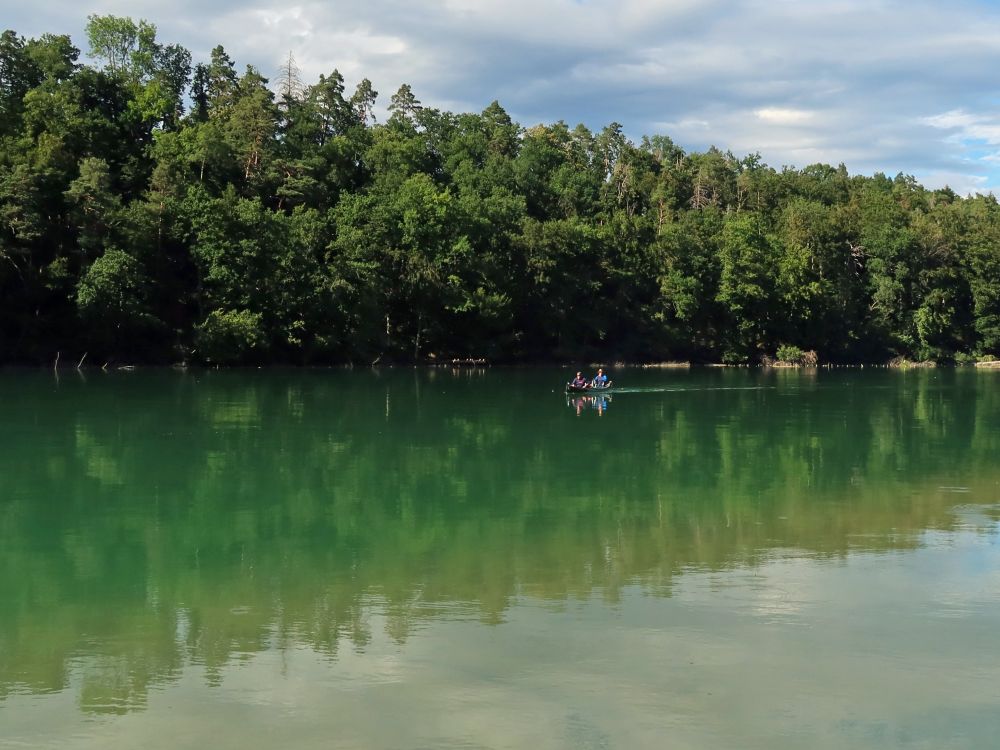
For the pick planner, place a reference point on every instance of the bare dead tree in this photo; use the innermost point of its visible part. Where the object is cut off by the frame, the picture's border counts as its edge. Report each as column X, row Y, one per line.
column 290, row 86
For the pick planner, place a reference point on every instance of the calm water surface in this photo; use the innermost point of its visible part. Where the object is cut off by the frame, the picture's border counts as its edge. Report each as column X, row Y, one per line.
column 424, row 559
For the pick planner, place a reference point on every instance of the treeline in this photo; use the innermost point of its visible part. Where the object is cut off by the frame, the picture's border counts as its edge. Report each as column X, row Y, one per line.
column 156, row 210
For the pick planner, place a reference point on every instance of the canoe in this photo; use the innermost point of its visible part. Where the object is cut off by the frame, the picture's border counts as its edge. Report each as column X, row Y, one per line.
column 570, row 388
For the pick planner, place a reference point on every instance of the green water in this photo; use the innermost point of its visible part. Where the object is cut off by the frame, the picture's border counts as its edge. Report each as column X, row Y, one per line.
column 421, row 559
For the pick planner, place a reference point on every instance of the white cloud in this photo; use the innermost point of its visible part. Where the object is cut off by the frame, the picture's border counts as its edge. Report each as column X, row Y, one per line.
column 961, row 182
column 984, row 128
column 783, row 116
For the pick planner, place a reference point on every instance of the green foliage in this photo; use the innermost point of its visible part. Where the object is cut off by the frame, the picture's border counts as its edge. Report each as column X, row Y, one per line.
column 156, row 75
column 437, row 233
column 111, row 288
column 95, row 205
column 229, row 336
column 111, row 300
column 789, row 353
column 746, row 283
column 124, row 46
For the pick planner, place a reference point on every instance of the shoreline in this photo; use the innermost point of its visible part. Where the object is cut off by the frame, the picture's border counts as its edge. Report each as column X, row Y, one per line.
column 483, row 364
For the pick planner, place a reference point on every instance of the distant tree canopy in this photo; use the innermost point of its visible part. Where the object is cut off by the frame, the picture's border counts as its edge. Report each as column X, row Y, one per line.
column 151, row 210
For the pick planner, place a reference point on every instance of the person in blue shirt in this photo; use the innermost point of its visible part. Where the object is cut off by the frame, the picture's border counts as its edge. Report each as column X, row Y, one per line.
column 600, row 379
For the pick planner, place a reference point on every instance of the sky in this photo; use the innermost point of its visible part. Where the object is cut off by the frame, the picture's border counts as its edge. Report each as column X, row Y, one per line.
column 880, row 85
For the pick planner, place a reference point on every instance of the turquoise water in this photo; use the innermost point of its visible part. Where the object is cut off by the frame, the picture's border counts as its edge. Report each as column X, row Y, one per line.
column 426, row 558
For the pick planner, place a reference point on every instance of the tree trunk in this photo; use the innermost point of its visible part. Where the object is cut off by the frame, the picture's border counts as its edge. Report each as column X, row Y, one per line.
column 416, row 344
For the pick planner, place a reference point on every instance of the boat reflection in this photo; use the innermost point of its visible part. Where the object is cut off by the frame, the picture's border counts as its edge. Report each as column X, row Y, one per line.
column 597, row 402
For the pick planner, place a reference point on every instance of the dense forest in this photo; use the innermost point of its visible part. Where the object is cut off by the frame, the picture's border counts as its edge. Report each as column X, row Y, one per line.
column 156, row 210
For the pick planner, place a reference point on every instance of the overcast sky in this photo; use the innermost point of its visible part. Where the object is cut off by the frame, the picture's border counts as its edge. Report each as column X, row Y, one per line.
column 881, row 85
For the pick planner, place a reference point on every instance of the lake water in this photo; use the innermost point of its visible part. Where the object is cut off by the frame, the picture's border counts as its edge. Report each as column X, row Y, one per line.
column 711, row 558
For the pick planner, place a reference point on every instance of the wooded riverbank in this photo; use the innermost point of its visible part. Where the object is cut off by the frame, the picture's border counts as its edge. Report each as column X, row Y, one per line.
column 153, row 210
